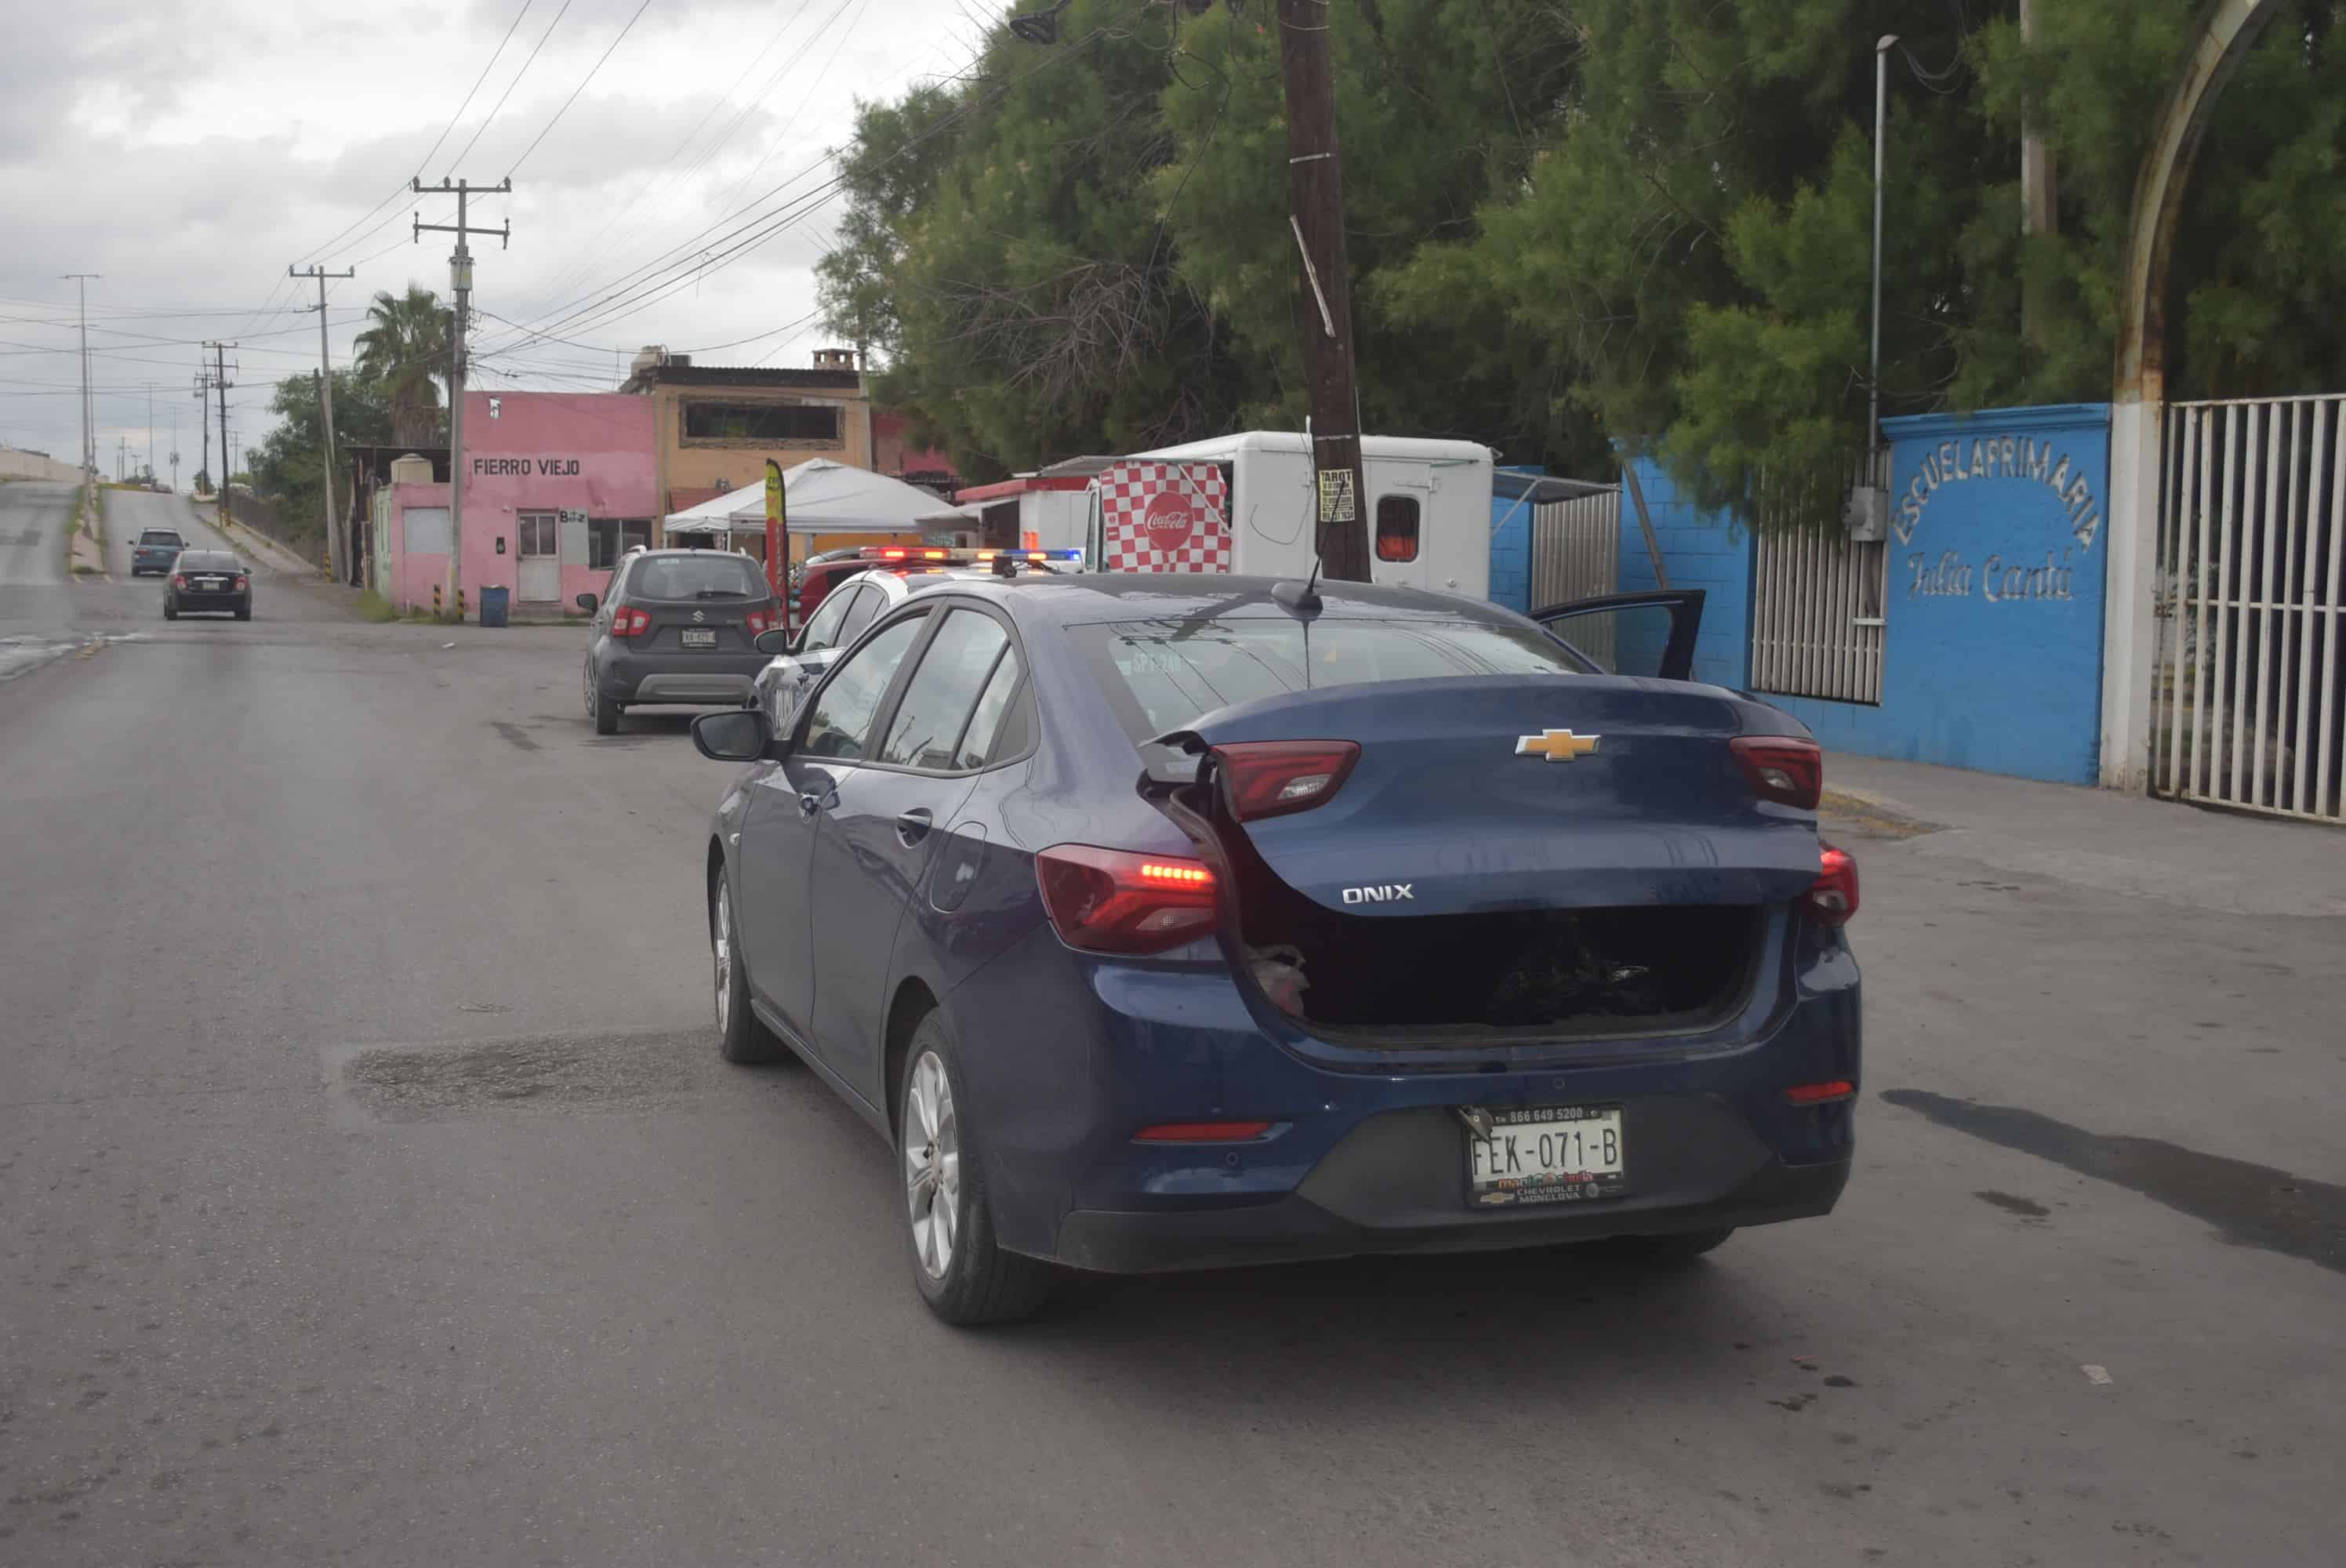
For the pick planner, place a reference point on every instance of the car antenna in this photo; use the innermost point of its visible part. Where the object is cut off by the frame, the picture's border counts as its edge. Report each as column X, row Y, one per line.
column 1303, row 597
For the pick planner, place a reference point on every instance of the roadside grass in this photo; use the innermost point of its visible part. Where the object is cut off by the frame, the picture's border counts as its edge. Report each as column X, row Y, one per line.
column 374, row 606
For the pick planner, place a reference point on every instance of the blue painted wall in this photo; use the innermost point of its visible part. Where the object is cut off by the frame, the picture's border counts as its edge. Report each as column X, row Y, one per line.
column 1511, row 545
column 1992, row 643
column 1705, row 550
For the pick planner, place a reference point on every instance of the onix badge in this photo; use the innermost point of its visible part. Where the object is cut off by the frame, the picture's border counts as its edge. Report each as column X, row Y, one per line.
column 1555, row 745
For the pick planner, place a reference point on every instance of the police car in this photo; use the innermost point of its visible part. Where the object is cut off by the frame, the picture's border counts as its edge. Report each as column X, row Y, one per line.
column 891, row 574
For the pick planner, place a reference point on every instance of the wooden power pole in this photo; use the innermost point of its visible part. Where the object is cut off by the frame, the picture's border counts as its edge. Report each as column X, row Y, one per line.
column 1315, row 177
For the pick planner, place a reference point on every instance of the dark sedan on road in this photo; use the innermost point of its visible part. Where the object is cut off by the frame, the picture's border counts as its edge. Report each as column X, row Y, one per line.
column 207, row 582
column 155, row 549
column 1179, row 921
column 676, row 627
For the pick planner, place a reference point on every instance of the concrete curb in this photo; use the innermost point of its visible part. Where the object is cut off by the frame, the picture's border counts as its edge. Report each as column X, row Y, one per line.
column 278, row 557
column 85, row 547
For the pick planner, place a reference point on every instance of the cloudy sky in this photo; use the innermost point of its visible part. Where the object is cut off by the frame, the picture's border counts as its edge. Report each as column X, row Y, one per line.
column 191, row 151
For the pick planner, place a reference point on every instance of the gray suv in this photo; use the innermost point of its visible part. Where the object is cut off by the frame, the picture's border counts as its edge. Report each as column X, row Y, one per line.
column 676, row 627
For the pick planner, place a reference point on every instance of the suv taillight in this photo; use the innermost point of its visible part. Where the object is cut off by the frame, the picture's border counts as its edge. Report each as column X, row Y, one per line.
column 1832, row 897
column 627, row 621
column 1272, row 778
column 1113, row 900
column 1789, row 771
column 760, row 621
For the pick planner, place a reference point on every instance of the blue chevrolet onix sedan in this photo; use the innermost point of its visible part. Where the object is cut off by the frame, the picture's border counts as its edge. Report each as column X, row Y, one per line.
column 1168, row 922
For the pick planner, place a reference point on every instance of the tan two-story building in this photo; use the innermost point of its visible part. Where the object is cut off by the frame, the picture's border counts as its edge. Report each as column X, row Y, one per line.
column 714, row 427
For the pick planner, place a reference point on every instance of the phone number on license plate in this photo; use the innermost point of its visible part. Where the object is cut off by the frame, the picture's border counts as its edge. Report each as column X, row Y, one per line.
column 1555, row 1153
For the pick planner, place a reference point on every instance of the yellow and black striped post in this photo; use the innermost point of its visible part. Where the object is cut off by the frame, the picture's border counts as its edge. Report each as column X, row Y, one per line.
column 436, row 600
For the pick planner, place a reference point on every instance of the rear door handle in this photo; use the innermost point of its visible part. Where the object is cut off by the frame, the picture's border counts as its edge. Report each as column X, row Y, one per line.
column 912, row 826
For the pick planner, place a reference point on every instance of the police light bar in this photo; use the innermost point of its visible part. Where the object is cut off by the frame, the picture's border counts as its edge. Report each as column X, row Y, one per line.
column 913, row 553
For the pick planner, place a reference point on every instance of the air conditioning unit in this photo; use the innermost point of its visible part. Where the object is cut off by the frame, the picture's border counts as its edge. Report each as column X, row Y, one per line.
column 1865, row 513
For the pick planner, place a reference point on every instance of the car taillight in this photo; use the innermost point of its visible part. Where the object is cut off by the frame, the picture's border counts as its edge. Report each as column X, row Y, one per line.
column 1271, row 778
column 1781, row 768
column 760, row 621
column 630, row 622
column 1113, row 900
column 243, row 582
column 1832, row 897
column 178, row 579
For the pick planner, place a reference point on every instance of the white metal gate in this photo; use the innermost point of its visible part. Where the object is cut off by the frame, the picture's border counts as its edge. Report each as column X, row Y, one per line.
column 1576, row 555
column 1816, row 600
column 2247, row 695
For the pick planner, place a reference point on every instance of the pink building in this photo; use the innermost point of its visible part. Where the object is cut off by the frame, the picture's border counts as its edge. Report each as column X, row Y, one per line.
column 557, row 487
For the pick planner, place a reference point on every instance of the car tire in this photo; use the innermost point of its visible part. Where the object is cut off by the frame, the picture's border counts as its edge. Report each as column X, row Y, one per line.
column 1677, row 1247
column 963, row 1274
column 605, row 713
column 742, row 1037
column 245, row 614
column 170, row 611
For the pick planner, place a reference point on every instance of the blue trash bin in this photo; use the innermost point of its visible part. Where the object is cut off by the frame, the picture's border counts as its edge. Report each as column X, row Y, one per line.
column 494, row 606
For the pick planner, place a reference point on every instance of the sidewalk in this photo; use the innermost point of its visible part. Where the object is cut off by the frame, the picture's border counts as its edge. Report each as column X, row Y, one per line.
column 276, row 556
column 2099, row 839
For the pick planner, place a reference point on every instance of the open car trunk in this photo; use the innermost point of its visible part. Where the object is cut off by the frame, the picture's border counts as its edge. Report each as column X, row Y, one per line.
column 1455, row 890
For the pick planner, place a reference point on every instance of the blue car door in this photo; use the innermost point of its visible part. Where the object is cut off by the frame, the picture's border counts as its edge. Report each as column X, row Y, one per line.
column 881, row 829
column 779, row 904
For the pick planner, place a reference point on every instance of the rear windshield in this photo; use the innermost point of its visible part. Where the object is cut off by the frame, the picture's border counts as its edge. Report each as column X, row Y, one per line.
column 207, row 561
column 1160, row 675
column 159, row 536
column 710, row 576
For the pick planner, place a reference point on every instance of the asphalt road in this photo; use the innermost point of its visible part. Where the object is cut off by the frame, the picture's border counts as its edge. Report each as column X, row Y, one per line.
column 372, row 1193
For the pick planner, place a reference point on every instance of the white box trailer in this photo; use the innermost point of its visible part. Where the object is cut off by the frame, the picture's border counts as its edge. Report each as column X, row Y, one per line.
column 1427, row 508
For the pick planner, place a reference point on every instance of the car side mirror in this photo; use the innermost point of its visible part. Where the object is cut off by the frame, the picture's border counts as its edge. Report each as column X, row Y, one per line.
column 735, row 734
column 777, row 641
column 587, row 602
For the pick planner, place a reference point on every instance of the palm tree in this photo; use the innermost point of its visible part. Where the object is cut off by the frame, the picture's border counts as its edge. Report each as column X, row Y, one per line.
column 405, row 353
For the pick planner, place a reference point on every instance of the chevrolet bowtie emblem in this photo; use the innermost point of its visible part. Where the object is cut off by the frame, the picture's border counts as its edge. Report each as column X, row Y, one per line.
column 1555, row 745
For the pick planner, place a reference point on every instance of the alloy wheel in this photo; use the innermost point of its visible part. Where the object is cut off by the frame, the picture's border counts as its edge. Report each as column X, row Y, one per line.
column 722, row 940
column 932, row 1164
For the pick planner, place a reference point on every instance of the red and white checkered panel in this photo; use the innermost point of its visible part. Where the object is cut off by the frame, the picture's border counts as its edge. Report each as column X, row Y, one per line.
column 1164, row 517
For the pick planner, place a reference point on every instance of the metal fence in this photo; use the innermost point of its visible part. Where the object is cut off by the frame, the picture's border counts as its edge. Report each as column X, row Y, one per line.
column 1816, row 597
column 1576, row 555
column 2249, row 686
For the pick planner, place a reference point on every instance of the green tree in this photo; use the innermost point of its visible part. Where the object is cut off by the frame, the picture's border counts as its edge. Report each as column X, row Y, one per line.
column 404, row 353
column 1442, row 106
column 1004, row 253
column 289, row 465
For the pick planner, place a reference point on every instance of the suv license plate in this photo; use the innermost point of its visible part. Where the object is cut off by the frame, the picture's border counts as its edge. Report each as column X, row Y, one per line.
column 1550, row 1154
column 693, row 639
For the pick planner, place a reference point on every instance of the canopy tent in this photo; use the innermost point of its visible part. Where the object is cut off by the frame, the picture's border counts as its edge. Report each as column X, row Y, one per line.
column 824, row 497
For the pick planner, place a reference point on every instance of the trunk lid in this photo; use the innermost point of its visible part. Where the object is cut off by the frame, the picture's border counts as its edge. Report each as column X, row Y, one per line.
column 1455, row 806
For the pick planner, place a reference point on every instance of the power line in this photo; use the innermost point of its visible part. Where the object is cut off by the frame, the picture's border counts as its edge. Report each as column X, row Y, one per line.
column 633, row 294
column 579, row 89
column 525, row 64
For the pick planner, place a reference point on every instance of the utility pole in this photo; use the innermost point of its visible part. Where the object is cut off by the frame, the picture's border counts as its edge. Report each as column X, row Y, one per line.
column 1874, row 355
column 175, row 452
column 204, row 417
column 227, row 463
column 88, row 452
column 1315, row 179
column 2039, row 198
column 460, row 279
column 326, row 398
